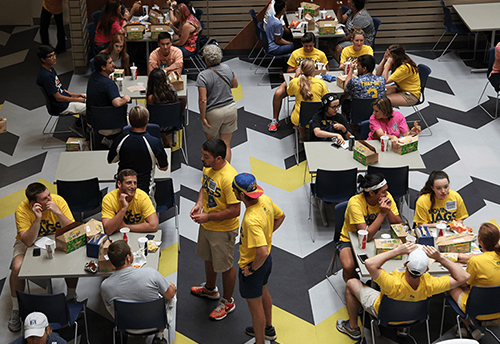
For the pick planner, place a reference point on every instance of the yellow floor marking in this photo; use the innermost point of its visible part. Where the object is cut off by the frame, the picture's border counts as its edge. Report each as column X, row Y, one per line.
column 168, row 260
column 288, row 180
column 9, row 203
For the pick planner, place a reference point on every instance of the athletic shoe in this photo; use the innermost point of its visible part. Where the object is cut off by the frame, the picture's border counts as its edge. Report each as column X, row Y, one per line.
column 14, row 321
column 402, row 332
column 270, row 332
column 343, row 326
column 273, row 126
column 223, row 309
column 202, row 291
column 475, row 332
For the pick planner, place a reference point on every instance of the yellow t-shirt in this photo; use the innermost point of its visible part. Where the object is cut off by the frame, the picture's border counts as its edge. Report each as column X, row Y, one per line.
column 318, row 89
column 349, row 54
column 449, row 209
column 217, row 195
column 484, row 271
column 300, row 55
column 407, row 79
column 395, row 286
column 139, row 208
column 359, row 211
column 49, row 223
column 257, row 228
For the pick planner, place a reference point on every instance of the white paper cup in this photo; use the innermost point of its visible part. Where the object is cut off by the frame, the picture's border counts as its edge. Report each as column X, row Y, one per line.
column 142, row 241
column 411, row 238
column 385, row 236
column 385, row 143
column 440, row 227
column 301, row 13
column 133, row 73
column 50, row 246
column 322, row 14
column 362, row 238
column 321, row 65
column 119, row 82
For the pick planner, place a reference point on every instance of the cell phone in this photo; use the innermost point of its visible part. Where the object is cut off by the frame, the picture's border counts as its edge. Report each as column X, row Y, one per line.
column 363, row 257
column 150, row 236
column 142, row 92
column 36, row 252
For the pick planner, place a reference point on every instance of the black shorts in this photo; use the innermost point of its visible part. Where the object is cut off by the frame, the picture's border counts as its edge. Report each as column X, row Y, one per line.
column 251, row 286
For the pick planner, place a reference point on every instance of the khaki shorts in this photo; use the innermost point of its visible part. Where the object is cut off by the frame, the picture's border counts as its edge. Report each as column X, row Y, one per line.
column 217, row 247
column 367, row 297
column 19, row 248
column 223, row 120
column 410, row 98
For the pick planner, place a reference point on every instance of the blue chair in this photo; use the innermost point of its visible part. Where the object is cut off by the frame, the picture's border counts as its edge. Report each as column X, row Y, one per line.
column 140, row 318
column 96, row 16
column 394, row 311
column 152, row 128
column 345, row 9
column 59, row 312
column 376, row 25
column 81, row 195
column 365, row 129
column 481, row 301
column 169, row 116
column 398, row 181
column 491, row 59
column 334, row 187
column 258, row 33
column 423, row 72
column 307, row 111
column 198, row 14
column 459, row 29
column 166, row 199
column 107, row 118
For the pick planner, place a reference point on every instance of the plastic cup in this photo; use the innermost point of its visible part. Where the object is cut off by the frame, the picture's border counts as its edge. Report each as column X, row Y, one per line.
column 50, row 246
column 301, row 13
column 411, row 238
column 385, row 143
column 362, row 238
column 119, row 82
column 320, row 66
column 322, row 14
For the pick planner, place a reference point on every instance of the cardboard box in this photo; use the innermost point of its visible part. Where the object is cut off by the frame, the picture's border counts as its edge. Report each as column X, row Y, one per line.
column 76, row 144
column 327, row 26
column 71, row 237
column 118, row 73
column 398, row 232
column 156, row 29
column 341, row 81
column 103, row 250
column 407, row 144
column 135, row 31
column 383, row 245
column 176, row 81
column 105, row 264
column 311, row 8
column 457, row 243
column 154, row 16
column 93, row 228
column 365, row 153
column 3, row 125
column 424, row 236
column 311, row 23
column 94, row 245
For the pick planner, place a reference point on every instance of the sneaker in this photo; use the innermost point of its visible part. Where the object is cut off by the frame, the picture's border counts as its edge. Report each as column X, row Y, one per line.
column 476, row 334
column 202, row 291
column 14, row 321
column 270, row 332
column 402, row 332
column 273, row 126
column 223, row 309
column 343, row 326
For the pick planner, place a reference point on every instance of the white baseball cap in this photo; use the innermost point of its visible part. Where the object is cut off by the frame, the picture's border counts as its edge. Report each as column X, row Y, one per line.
column 35, row 325
column 417, row 262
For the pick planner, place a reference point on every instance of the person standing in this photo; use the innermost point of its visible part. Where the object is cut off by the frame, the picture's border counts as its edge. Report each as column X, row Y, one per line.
column 217, row 211
column 262, row 217
column 49, row 8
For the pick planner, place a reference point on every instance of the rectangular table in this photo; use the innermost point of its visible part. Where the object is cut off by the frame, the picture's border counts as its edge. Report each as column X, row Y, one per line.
column 297, row 34
column 91, row 164
column 143, row 80
column 321, row 155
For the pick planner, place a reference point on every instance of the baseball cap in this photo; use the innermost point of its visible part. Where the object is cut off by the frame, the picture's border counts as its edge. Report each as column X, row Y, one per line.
column 329, row 98
column 246, row 183
column 35, row 325
column 417, row 262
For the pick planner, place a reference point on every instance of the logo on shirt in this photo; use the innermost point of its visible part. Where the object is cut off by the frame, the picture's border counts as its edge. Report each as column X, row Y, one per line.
column 131, row 219
column 212, row 191
column 441, row 214
column 370, row 218
column 47, row 227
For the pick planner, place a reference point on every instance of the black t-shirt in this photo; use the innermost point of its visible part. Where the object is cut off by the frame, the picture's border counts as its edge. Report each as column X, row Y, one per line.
column 52, row 85
column 325, row 123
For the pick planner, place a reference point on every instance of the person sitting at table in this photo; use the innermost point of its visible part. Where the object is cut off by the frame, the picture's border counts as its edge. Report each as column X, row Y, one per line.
column 172, row 5
column 118, row 51
column 327, row 124
column 139, row 151
column 128, row 283
column 127, row 206
column 413, row 284
column 483, row 270
column 437, row 203
column 357, row 16
column 166, row 57
column 358, row 48
column 494, row 73
column 307, row 52
column 366, row 210
column 40, row 214
column 386, row 121
column 189, row 28
column 38, row 330
column 275, row 30
column 287, row 34
column 110, row 23
column 406, row 92
column 125, row 12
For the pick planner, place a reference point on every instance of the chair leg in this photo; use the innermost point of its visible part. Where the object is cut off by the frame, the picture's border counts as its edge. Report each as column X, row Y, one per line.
column 483, row 108
column 428, row 331
column 491, row 332
column 176, row 209
column 184, row 148
column 297, row 145
column 439, row 40
column 373, row 331
column 449, row 44
column 322, row 212
column 76, row 331
column 266, row 72
column 419, row 114
column 85, row 323
column 442, row 318
column 256, row 58
column 262, row 60
column 309, row 219
column 251, row 51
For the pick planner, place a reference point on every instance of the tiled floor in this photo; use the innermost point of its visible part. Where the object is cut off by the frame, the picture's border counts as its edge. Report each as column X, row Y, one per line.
column 306, row 306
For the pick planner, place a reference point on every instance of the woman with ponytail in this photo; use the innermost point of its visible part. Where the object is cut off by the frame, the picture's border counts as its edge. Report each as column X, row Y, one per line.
column 305, row 88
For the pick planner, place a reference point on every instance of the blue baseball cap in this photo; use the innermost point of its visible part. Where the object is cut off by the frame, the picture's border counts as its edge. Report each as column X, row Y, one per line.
column 246, row 183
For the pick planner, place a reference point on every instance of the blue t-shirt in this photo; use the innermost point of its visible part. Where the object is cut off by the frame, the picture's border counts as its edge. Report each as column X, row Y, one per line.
column 274, row 27
column 52, row 85
column 366, row 87
column 101, row 91
column 53, row 338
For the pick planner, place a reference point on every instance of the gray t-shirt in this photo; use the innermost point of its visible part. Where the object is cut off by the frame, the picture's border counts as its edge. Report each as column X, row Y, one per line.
column 218, row 92
column 364, row 21
column 132, row 284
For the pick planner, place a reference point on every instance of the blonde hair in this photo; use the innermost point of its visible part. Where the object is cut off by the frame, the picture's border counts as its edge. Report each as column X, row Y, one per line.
column 307, row 66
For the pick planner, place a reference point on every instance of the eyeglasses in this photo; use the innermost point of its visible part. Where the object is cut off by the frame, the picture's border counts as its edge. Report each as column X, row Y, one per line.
column 53, row 55
column 335, row 107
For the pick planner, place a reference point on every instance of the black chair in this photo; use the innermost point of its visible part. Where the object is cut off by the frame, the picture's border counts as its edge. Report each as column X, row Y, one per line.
column 398, row 181
column 198, row 14
column 107, row 118
column 140, row 318
column 91, row 27
column 166, row 199
column 423, row 72
column 361, row 110
column 152, row 128
column 169, row 116
column 81, row 195
column 365, row 129
column 491, row 59
column 333, row 187
column 481, row 301
column 59, row 312
column 52, row 114
column 96, row 16
column 307, row 111
column 376, row 25
column 258, row 33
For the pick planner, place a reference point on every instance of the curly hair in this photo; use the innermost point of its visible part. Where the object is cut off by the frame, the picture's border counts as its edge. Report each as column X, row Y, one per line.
column 212, row 54
column 159, row 88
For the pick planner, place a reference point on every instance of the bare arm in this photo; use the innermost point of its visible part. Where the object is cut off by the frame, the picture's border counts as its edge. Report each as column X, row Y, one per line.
column 261, row 254
column 184, row 34
column 374, row 264
column 120, row 101
column 150, row 225
column 234, row 83
column 198, row 207
column 171, row 291
column 79, row 98
column 458, row 275
column 202, row 105
column 232, row 210
column 280, row 41
column 278, row 222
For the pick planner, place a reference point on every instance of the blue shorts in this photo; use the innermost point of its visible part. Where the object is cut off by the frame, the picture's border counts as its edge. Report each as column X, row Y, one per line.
column 251, row 287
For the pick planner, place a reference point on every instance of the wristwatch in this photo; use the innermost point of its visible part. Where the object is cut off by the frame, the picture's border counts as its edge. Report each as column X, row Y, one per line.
column 250, row 268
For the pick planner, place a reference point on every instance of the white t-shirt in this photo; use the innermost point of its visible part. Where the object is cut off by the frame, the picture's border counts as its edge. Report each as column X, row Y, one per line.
column 269, row 13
